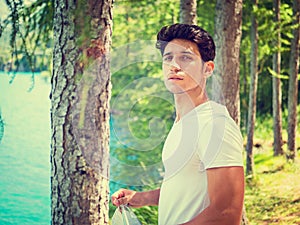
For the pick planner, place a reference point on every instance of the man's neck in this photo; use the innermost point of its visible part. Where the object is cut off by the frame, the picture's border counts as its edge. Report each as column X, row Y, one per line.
column 187, row 101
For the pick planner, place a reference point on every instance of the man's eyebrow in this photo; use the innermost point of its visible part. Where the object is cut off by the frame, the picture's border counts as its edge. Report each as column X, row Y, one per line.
column 188, row 52
column 184, row 52
column 168, row 53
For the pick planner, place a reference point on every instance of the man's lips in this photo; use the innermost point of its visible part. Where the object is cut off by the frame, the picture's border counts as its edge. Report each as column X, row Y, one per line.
column 175, row 77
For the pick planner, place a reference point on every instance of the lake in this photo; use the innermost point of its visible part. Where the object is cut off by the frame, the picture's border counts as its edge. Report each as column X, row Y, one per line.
column 25, row 151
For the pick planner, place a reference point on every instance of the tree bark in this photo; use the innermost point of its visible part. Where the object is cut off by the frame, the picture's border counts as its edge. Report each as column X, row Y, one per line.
column 253, row 92
column 227, row 63
column 80, row 112
column 277, row 94
column 188, row 11
column 293, row 83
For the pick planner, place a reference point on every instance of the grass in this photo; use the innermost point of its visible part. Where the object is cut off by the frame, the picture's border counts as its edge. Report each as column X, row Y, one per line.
column 273, row 195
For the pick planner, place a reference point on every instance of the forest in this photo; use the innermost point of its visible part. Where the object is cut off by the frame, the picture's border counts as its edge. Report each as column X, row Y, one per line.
column 141, row 112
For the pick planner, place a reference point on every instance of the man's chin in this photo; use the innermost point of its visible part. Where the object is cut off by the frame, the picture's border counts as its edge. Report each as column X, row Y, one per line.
column 176, row 91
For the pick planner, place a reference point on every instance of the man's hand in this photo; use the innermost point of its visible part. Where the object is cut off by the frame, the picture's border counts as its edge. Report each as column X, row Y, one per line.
column 124, row 197
column 135, row 199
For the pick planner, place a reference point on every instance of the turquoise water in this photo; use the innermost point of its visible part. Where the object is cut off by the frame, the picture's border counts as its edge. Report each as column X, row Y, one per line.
column 24, row 151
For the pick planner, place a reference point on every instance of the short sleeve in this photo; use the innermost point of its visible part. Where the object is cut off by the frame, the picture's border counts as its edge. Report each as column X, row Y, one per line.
column 221, row 144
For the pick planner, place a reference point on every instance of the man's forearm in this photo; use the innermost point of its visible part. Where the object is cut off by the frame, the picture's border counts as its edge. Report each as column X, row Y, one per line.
column 149, row 197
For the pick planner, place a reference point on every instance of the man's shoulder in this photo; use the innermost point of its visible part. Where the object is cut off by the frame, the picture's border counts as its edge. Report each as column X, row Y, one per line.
column 210, row 111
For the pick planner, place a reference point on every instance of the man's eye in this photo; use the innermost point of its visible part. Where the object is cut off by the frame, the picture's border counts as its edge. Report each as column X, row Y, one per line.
column 186, row 58
column 168, row 58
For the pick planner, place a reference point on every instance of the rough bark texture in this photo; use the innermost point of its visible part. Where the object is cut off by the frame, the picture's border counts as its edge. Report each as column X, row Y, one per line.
column 277, row 94
column 293, row 84
column 79, row 182
column 228, row 32
column 252, row 93
column 188, row 11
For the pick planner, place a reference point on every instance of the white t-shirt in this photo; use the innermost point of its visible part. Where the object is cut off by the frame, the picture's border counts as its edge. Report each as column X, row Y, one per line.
column 206, row 137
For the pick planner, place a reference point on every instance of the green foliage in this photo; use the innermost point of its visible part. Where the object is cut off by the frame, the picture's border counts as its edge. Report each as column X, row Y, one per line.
column 206, row 14
column 267, row 30
column 280, row 76
column 30, row 28
column 142, row 108
column 147, row 215
column 264, row 125
column 141, row 20
column 141, row 118
column 16, row 9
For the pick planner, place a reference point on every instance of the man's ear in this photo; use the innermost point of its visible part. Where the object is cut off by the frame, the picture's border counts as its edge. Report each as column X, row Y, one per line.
column 208, row 68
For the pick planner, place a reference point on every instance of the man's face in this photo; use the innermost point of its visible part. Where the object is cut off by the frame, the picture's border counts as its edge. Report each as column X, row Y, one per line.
column 183, row 67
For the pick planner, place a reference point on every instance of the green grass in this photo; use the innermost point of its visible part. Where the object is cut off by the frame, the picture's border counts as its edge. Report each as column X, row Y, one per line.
column 273, row 195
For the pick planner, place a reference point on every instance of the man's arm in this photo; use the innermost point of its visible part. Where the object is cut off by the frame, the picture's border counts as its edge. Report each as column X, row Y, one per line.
column 226, row 194
column 135, row 199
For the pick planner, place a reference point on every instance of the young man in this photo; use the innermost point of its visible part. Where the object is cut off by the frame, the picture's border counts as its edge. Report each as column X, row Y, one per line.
column 202, row 155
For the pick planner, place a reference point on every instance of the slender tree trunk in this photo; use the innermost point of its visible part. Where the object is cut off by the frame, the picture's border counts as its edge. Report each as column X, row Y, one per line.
column 293, row 83
column 277, row 94
column 188, row 11
column 227, row 62
column 80, row 112
column 252, row 93
column 244, row 103
column 227, row 67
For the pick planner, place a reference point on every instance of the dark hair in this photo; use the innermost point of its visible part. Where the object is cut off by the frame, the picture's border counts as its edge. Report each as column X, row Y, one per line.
column 189, row 32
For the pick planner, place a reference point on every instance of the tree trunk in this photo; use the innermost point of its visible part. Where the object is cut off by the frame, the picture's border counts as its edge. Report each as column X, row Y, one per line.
column 80, row 112
column 277, row 95
column 188, row 11
column 252, row 93
column 227, row 63
column 293, row 83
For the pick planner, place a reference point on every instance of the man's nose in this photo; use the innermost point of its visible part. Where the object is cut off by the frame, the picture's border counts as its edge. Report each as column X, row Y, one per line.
column 174, row 66
column 174, row 69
